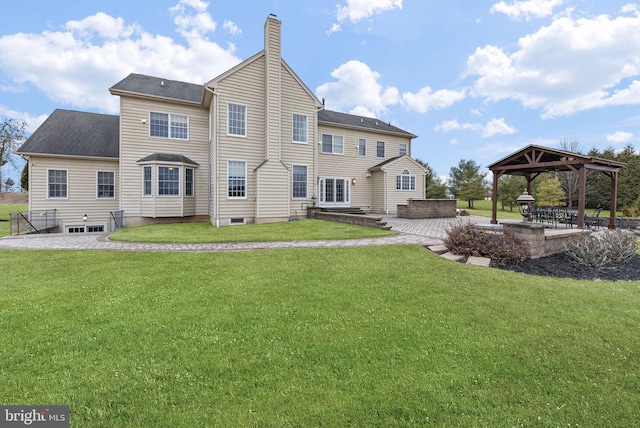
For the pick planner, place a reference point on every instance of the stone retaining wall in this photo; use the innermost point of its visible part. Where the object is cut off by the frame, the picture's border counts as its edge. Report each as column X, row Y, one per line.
column 361, row 220
column 540, row 242
column 427, row 208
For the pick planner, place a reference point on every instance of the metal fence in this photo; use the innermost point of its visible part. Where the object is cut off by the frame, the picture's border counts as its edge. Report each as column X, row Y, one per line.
column 23, row 223
column 116, row 221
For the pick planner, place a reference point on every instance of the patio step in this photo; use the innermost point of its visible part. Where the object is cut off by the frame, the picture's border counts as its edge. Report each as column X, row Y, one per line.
column 479, row 261
column 454, row 257
column 438, row 249
column 443, row 251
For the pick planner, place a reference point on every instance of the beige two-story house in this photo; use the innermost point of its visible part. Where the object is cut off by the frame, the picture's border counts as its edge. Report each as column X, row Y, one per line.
column 251, row 145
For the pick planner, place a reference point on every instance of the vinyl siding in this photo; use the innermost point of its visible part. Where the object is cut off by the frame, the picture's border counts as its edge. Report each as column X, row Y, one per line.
column 364, row 193
column 395, row 197
column 272, row 179
column 295, row 99
column 246, row 87
column 135, row 144
column 81, row 189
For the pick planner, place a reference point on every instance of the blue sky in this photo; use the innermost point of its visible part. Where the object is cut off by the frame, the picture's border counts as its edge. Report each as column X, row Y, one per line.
column 474, row 79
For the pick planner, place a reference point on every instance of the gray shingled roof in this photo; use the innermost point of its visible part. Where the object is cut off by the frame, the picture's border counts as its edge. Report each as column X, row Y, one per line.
column 334, row 117
column 74, row 133
column 159, row 87
column 167, row 157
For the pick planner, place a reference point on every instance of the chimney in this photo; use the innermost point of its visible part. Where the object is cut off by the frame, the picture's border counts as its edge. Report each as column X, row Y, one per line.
column 272, row 86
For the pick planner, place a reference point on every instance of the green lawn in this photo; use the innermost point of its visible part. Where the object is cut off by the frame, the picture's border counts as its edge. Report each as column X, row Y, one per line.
column 5, row 209
column 282, row 231
column 375, row 336
column 484, row 208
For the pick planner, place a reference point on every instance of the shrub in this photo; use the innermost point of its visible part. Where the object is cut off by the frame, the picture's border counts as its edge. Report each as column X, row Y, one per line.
column 598, row 249
column 468, row 240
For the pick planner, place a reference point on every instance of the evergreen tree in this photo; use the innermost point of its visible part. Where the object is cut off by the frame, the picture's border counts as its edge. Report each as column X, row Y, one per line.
column 509, row 188
column 466, row 181
column 549, row 193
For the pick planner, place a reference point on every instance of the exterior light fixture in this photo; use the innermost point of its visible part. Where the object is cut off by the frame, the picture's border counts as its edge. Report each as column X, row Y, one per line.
column 84, row 217
column 525, row 204
column 354, row 181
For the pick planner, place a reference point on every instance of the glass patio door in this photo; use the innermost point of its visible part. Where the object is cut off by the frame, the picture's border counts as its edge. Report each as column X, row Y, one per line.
column 334, row 192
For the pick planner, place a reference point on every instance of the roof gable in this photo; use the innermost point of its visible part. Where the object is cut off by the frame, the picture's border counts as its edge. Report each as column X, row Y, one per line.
column 353, row 121
column 74, row 133
column 536, row 159
column 382, row 165
column 156, row 87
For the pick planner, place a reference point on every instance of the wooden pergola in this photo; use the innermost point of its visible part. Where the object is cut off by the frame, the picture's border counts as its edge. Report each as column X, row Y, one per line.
column 533, row 160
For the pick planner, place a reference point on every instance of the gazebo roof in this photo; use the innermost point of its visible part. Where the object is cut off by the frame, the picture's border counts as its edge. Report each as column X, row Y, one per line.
column 535, row 159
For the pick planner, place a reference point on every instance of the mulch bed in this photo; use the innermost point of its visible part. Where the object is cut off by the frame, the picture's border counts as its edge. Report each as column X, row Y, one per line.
column 562, row 266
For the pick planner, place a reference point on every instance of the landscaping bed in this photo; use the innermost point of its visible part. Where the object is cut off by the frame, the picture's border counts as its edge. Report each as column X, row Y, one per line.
column 562, row 266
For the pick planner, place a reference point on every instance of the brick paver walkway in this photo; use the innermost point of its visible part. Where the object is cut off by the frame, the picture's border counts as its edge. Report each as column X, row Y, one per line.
column 423, row 232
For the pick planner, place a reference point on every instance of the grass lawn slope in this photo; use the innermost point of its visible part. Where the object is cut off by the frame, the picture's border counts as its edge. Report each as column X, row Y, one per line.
column 375, row 336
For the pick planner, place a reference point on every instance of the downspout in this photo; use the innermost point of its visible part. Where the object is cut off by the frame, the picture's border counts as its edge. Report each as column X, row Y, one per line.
column 216, row 156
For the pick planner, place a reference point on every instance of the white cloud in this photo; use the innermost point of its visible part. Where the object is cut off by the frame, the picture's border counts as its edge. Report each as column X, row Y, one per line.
column 490, row 129
column 497, row 127
column 526, row 9
column 75, row 66
column 426, row 99
column 33, row 122
column 192, row 19
column 630, row 8
column 231, row 28
column 357, row 90
column 358, row 10
column 620, row 137
column 569, row 66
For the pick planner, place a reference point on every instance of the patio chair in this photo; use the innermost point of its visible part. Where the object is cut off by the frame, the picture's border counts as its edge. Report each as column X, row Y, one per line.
column 593, row 221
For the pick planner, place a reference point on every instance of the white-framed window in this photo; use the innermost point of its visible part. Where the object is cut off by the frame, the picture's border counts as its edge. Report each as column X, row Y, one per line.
column 105, row 185
column 165, row 125
column 57, row 183
column 146, row 181
column 332, row 144
column 380, row 149
column 299, row 128
column 403, row 149
column 335, row 191
column 362, row 147
column 405, row 181
column 237, row 120
column 168, row 181
column 236, row 179
column 299, row 182
column 188, row 181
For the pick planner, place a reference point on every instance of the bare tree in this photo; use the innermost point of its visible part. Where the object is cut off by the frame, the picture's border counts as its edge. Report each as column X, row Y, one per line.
column 11, row 134
column 569, row 180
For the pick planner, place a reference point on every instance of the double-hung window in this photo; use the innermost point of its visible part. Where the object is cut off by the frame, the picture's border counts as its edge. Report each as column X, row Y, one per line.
column 106, row 184
column 188, row 181
column 165, row 125
column 405, row 181
column 299, row 182
column 380, row 149
column 168, row 181
column 403, row 149
column 332, row 144
column 362, row 147
column 299, row 128
column 237, row 179
column 237, row 120
column 57, row 183
column 146, row 181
